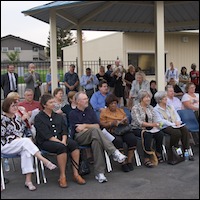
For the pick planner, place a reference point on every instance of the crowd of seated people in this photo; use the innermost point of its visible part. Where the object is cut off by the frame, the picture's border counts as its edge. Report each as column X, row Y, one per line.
column 59, row 118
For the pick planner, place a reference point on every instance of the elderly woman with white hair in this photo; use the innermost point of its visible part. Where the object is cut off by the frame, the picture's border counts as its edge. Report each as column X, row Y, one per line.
column 139, row 83
column 171, row 123
column 144, row 118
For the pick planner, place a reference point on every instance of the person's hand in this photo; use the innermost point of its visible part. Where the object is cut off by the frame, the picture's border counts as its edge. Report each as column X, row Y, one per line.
column 80, row 127
column 25, row 116
column 157, row 125
column 29, row 113
column 115, row 123
column 177, row 123
column 32, row 71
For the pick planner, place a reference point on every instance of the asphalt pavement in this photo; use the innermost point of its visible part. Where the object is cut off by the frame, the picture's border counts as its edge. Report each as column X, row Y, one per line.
column 165, row 181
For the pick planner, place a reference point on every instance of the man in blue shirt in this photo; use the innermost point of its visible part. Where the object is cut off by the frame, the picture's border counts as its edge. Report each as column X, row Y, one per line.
column 86, row 131
column 71, row 80
column 89, row 82
column 98, row 98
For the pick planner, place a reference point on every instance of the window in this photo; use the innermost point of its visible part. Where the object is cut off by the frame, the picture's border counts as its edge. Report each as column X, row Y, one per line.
column 146, row 61
column 4, row 49
column 35, row 58
column 35, row 49
column 17, row 49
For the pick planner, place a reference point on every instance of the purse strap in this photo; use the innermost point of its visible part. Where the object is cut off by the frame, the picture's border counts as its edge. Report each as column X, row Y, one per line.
column 25, row 120
column 152, row 153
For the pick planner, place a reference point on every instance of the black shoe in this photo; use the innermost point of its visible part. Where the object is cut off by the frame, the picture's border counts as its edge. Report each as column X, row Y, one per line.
column 125, row 168
column 6, row 180
column 191, row 158
column 130, row 166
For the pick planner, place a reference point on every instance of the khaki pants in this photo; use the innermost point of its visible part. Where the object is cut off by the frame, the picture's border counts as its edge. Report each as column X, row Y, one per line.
column 99, row 143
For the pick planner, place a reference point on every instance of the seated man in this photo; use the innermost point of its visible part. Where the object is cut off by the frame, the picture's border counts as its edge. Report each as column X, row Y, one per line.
column 86, row 131
column 171, row 99
column 98, row 98
column 177, row 90
column 32, row 107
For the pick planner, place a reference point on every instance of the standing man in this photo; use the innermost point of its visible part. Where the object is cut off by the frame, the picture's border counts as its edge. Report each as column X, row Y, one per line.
column 111, row 79
column 9, row 80
column 33, row 81
column 89, row 82
column 71, row 79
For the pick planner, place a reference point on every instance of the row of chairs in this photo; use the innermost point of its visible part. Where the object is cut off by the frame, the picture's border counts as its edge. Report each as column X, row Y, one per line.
column 187, row 116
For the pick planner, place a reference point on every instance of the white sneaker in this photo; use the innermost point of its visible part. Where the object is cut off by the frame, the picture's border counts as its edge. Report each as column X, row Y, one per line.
column 119, row 157
column 101, row 178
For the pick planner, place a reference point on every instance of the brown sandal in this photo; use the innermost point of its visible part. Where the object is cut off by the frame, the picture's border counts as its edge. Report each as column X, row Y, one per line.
column 62, row 182
column 148, row 164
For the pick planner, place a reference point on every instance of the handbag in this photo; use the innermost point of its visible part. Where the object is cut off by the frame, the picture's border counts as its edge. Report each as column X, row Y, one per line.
column 83, row 167
column 121, row 129
column 175, row 156
column 152, row 155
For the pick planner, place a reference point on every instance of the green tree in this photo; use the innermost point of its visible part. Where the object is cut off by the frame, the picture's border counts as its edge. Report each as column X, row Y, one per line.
column 13, row 57
column 64, row 38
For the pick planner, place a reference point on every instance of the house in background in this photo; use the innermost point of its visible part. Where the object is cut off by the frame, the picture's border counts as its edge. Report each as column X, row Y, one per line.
column 28, row 51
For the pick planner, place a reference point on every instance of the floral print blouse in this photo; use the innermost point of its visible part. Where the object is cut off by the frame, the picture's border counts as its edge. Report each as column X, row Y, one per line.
column 11, row 128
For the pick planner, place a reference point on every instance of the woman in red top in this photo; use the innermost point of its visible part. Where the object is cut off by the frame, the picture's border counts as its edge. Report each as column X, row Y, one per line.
column 194, row 75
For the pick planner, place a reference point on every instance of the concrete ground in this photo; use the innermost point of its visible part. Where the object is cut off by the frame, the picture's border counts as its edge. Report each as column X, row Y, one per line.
column 165, row 181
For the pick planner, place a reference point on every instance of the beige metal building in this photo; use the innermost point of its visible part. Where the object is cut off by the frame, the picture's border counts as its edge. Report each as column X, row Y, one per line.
column 182, row 48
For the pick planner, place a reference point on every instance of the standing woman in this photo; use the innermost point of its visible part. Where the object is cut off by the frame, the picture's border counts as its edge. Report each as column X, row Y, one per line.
column 184, row 78
column 52, row 137
column 139, row 83
column 129, row 78
column 13, row 142
column 171, row 121
column 144, row 118
column 194, row 75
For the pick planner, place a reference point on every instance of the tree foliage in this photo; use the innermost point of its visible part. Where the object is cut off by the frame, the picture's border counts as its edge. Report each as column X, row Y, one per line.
column 13, row 57
column 64, row 38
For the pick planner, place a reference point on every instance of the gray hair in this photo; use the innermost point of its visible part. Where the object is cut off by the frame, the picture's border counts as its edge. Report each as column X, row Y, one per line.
column 158, row 96
column 168, row 86
column 140, row 73
column 143, row 93
column 76, row 96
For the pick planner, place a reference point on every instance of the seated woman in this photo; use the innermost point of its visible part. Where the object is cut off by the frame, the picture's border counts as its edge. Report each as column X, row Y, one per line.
column 171, row 121
column 25, row 116
column 13, row 142
column 190, row 99
column 60, row 102
column 69, row 107
column 144, row 118
column 52, row 137
column 110, row 118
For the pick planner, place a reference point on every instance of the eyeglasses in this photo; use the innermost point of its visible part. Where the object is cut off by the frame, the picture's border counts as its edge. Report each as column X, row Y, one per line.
column 84, row 99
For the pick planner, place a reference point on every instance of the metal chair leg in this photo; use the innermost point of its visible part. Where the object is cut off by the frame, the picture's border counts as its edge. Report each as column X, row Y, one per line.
column 137, row 158
column 37, row 170
column 2, row 177
column 43, row 173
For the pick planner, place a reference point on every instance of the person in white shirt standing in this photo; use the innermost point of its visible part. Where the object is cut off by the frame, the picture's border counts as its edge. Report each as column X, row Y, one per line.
column 89, row 82
column 172, row 72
